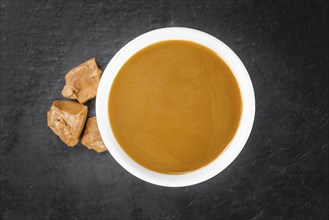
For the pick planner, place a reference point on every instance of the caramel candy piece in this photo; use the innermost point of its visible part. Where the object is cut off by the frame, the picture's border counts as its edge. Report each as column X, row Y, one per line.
column 82, row 81
column 67, row 119
column 91, row 136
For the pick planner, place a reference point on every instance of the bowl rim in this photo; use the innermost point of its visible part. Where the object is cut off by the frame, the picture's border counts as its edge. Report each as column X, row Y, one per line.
column 233, row 148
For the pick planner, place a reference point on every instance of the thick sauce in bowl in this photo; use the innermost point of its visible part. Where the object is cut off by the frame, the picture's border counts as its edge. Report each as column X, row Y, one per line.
column 174, row 106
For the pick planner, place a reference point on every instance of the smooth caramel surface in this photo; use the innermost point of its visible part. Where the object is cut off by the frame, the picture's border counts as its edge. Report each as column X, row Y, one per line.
column 174, row 106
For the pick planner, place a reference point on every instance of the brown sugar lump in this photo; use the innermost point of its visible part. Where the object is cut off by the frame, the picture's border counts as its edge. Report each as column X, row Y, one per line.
column 82, row 81
column 67, row 119
column 91, row 137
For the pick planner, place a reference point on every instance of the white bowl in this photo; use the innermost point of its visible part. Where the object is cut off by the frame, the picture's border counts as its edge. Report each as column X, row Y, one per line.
column 236, row 144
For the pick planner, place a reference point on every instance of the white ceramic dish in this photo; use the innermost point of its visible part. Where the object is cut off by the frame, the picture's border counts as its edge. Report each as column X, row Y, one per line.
column 231, row 151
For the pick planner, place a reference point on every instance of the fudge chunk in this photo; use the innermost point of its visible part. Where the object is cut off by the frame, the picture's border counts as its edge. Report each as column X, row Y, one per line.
column 91, row 137
column 82, row 81
column 67, row 119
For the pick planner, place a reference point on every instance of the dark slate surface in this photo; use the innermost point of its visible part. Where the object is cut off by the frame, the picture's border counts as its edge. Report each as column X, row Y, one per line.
column 282, row 173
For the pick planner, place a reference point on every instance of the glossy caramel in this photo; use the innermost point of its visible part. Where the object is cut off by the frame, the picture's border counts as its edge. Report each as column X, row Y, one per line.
column 174, row 106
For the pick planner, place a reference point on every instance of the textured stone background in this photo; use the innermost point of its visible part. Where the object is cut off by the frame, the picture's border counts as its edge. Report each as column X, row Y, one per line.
column 282, row 173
